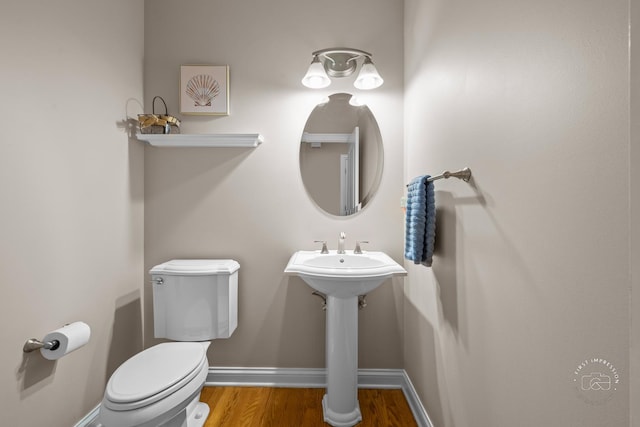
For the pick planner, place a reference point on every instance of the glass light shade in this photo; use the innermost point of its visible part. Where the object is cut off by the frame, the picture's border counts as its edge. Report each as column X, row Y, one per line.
column 368, row 77
column 355, row 102
column 316, row 77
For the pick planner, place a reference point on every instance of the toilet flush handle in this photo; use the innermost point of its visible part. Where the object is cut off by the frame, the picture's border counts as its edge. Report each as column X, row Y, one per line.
column 158, row 281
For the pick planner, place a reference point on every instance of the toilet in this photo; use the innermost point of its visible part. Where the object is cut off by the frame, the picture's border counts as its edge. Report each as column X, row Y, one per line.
column 194, row 301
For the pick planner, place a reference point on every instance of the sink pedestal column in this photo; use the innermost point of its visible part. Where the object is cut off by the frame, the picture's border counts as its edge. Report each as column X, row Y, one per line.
column 340, row 403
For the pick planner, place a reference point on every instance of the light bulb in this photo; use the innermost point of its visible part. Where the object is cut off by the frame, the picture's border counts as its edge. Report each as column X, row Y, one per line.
column 316, row 77
column 368, row 77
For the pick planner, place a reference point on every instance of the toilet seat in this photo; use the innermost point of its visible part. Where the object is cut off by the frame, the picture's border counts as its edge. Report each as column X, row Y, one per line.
column 154, row 374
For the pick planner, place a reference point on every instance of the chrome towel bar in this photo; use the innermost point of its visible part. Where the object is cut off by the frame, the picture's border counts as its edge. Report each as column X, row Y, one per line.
column 463, row 174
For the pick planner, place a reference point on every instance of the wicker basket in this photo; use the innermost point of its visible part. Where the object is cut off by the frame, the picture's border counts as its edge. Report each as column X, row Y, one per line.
column 158, row 123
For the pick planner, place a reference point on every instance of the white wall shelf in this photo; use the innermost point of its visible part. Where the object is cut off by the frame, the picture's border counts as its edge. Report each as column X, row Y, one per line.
column 204, row 140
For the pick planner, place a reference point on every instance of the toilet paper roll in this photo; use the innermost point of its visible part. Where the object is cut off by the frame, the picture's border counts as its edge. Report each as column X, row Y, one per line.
column 70, row 337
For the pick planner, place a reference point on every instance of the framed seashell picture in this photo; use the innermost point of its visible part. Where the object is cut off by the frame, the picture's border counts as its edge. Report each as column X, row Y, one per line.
column 204, row 90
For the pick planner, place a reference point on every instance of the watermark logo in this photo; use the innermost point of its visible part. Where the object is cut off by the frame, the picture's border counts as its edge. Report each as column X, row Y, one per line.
column 596, row 380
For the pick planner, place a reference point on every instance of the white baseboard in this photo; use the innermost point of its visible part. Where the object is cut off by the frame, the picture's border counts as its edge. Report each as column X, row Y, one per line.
column 305, row 378
column 89, row 418
column 316, row 378
column 418, row 409
column 266, row 377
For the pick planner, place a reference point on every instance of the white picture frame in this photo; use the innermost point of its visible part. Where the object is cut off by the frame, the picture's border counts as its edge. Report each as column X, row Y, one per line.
column 204, row 90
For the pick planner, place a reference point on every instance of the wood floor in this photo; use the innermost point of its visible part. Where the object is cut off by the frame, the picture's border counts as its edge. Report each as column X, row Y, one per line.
column 298, row 407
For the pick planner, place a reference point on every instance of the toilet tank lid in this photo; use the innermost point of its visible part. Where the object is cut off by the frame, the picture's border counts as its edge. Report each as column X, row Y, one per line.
column 196, row 267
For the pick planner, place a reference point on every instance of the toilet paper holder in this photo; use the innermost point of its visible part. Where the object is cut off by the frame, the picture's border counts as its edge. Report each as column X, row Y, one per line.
column 34, row 344
column 61, row 341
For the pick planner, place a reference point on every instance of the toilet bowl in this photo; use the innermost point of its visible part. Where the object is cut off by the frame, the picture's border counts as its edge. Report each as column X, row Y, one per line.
column 158, row 387
column 194, row 301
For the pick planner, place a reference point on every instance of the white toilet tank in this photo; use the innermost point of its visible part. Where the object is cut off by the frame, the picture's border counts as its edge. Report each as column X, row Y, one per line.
column 195, row 299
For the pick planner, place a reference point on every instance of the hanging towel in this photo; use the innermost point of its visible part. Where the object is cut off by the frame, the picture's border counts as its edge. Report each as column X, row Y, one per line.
column 420, row 229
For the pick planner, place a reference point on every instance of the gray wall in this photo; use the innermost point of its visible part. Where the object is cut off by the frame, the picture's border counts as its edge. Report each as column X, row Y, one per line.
column 532, row 269
column 250, row 204
column 71, row 184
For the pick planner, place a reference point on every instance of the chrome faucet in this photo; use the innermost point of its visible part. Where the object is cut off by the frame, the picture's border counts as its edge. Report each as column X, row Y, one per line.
column 358, row 249
column 341, row 242
column 324, row 249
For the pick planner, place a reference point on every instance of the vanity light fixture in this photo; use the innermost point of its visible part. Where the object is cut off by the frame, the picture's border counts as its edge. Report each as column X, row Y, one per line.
column 341, row 62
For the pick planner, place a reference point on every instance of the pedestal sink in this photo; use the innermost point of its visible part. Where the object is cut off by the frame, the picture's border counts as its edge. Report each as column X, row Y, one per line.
column 342, row 278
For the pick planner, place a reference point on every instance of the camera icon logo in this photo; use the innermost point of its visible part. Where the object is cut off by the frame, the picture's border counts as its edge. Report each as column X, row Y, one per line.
column 596, row 381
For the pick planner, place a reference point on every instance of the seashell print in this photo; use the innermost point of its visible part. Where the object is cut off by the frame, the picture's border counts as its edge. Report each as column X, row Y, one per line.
column 202, row 89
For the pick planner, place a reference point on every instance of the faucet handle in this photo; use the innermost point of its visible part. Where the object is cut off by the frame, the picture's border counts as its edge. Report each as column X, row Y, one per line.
column 358, row 249
column 324, row 249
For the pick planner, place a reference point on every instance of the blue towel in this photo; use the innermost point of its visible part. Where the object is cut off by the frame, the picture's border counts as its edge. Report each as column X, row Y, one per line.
column 420, row 230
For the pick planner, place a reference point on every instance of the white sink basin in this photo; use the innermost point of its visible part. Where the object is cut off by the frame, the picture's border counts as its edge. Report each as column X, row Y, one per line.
column 342, row 278
column 343, row 275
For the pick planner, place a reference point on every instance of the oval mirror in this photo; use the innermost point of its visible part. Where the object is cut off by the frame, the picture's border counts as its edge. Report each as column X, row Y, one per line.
column 341, row 155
